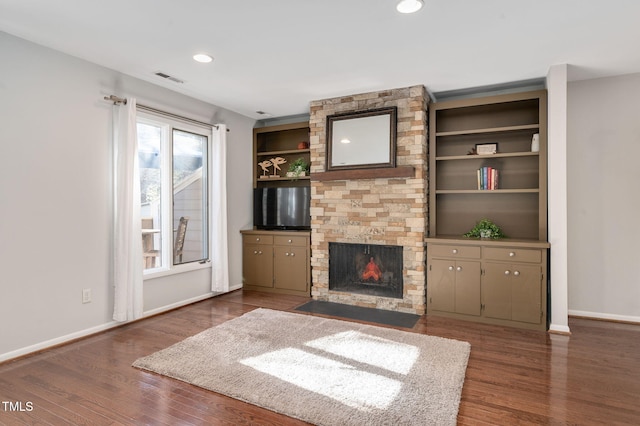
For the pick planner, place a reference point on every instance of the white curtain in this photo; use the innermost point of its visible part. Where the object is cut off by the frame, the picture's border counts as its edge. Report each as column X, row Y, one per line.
column 219, row 245
column 128, row 233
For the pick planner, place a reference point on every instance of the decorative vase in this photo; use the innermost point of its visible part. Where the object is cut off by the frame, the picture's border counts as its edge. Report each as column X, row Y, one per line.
column 535, row 142
column 485, row 233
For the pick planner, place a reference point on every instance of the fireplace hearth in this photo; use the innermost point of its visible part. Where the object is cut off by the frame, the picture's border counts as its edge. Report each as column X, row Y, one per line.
column 369, row 269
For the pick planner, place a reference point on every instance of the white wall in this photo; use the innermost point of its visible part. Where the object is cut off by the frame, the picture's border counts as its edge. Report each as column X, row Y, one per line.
column 56, row 199
column 604, row 197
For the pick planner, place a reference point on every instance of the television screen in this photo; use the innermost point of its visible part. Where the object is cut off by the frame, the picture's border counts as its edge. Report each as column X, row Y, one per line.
column 282, row 208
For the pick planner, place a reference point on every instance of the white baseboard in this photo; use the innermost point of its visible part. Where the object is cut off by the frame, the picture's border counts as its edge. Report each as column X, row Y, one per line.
column 559, row 329
column 57, row 341
column 97, row 329
column 235, row 287
column 602, row 316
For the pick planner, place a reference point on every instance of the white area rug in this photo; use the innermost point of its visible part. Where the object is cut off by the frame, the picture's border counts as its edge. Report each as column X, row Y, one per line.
column 323, row 371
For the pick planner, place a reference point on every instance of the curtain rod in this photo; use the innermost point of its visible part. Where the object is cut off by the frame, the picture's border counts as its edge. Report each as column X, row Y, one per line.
column 119, row 101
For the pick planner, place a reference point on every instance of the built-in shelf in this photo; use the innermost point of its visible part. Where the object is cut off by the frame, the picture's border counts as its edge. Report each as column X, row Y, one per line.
column 466, row 241
column 489, row 130
column 281, row 178
column 484, row 191
column 508, row 121
column 284, row 152
column 496, row 155
column 280, row 141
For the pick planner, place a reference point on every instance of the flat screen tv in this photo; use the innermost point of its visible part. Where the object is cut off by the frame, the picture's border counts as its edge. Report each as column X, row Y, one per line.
column 282, row 208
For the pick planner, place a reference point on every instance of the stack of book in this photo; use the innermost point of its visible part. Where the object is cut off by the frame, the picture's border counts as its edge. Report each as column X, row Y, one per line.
column 487, row 178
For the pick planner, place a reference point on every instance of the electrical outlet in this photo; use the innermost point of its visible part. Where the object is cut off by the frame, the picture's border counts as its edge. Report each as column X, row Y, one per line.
column 86, row 295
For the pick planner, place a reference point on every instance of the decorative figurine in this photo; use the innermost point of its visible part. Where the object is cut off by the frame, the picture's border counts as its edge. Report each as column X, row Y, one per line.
column 265, row 168
column 275, row 162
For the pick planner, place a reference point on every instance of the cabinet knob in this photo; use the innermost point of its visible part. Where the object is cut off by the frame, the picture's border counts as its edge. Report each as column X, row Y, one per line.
column 511, row 254
column 454, row 251
column 293, row 254
column 255, row 252
column 290, row 241
column 451, row 268
column 259, row 251
column 286, row 254
column 516, row 273
column 459, row 268
column 257, row 238
column 507, row 272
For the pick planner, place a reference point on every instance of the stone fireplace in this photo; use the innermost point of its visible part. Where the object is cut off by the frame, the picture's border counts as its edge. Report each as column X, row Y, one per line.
column 373, row 211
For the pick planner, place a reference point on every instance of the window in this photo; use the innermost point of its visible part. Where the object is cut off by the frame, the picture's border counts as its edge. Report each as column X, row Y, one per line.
column 173, row 191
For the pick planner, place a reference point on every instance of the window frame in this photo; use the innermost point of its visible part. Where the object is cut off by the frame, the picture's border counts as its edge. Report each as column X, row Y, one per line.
column 168, row 125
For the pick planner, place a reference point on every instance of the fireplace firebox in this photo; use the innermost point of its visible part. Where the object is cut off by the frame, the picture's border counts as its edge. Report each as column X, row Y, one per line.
column 369, row 269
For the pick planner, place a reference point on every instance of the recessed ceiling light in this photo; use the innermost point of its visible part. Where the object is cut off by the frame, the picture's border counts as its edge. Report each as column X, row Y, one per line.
column 345, row 140
column 409, row 6
column 201, row 57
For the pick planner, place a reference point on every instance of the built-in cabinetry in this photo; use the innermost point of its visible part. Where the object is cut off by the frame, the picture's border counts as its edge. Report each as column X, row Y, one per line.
column 498, row 281
column 277, row 261
column 287, row 141
column 453, row 278
column 519, row 205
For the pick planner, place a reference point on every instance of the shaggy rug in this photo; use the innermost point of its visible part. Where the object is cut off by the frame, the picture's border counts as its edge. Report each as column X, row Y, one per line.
column 323, row 371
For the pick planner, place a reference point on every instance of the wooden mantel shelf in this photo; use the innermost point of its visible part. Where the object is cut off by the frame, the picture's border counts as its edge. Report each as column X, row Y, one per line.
column 383, row 172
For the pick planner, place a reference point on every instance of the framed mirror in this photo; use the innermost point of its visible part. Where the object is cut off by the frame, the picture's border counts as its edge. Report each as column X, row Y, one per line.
column 361, row 140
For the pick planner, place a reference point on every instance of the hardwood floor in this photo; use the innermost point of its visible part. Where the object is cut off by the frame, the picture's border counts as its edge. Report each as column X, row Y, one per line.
column 513, row 377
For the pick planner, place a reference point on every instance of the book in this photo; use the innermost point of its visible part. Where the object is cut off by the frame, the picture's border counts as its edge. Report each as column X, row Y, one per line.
column 487, row 178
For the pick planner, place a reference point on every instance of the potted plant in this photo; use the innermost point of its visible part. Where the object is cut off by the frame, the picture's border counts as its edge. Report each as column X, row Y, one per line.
column 485, row 229
column 298, row 168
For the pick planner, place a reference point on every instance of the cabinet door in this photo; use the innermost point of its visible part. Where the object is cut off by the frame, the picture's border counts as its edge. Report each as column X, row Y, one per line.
column 257, row 265
column 290, row 267
column 526, row 293
column 496, row 290
column 467, row 294
column 441, row 285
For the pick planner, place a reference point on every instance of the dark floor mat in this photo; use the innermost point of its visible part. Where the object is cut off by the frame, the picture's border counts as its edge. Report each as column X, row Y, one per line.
column 396, row 319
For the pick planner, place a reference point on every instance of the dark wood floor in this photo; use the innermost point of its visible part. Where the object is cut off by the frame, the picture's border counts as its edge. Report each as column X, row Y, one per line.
column 513, row 376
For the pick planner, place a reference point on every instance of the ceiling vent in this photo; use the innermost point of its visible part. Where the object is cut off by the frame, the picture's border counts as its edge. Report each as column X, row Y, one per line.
column 168, row 77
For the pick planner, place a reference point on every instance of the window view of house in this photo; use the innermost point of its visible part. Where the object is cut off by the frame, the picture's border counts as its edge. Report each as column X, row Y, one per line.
column 173, row 192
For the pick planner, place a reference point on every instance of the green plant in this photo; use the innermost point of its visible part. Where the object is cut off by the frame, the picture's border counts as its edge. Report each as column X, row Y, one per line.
column 485, row 229
column 298, row 167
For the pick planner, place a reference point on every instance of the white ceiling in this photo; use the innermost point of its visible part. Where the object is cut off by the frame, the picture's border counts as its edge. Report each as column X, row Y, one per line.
column 278, row 55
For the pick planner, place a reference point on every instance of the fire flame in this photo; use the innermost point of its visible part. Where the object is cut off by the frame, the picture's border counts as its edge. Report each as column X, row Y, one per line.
column 371, row 271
